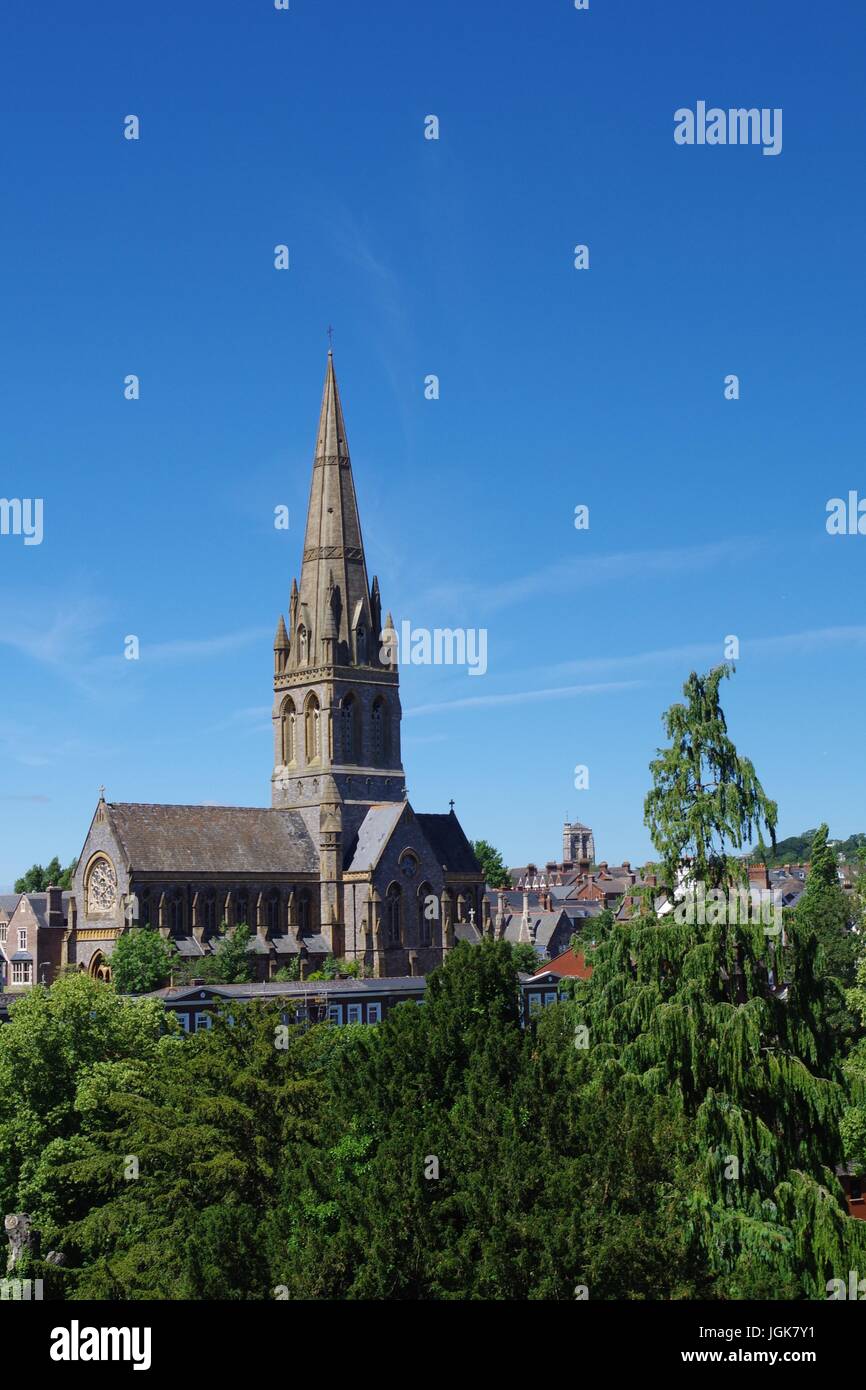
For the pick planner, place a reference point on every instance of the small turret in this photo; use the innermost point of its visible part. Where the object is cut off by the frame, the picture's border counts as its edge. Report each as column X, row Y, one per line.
column 281, row 647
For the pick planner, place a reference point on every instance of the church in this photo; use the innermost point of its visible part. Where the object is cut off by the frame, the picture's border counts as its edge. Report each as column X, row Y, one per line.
column 340, row 863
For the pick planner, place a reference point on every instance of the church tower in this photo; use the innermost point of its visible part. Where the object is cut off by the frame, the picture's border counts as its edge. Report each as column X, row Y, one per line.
column 336, row 696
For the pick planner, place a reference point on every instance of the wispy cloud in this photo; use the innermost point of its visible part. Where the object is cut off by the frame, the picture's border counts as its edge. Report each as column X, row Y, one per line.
column 185, row 649
column 523, row 697
column 703, row 655
column 593, row 569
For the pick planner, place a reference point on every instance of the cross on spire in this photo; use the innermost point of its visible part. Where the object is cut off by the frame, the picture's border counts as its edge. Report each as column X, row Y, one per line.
column 451, row 804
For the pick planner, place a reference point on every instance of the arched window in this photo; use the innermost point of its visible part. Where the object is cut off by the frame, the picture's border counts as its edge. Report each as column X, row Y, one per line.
column 393, row 914
column 425, row 918
column 304, row 911
column 361, row 646
column 380, row 730
column 313, row 730
column 144, row 909
column 242, row 909
column 272, row 907
column 349, row 729
column 208, row 910
column 175, row 914
column 302, row 645
column 287, row 731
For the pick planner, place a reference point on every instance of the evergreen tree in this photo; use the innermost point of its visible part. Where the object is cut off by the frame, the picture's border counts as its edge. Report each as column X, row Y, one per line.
column 209, row 1125
column 688, row 1009
column 705, row 799
column 824, row 910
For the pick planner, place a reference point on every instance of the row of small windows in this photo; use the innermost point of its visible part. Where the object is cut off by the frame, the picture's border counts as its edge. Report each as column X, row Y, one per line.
column 211, row 910
column 201, row 1021
column 348, row 741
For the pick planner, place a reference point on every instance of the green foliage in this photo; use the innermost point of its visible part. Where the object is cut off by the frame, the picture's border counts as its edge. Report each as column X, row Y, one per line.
column 705, row 799
column 494, row 869
column 289, row 972
column 525, row 957
column 141, row 961
column 331, row 968
column 824, row 910
column 796, row 848
column 230, row 964
column 53, row 1039
column 670, row 1132
column 37, row 879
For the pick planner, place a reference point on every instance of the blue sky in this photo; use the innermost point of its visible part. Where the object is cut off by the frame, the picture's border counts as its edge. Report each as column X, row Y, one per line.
column 558, row 387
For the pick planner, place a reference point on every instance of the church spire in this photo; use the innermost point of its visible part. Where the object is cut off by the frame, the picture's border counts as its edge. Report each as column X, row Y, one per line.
column 334, row 596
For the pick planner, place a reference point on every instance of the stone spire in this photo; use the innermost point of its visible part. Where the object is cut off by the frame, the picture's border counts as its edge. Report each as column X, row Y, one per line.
column 333, row 604
column 336, row 711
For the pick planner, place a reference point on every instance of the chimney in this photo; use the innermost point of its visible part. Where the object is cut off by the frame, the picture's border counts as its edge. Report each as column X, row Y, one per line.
column 759, row 875
column 55, row 907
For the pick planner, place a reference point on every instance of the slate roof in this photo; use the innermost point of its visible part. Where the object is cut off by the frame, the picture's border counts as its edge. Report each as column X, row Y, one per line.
column 373, row 835
column 542, row 926
column 213, row 839
column 9, row 902
column 291, row 989
column 448, row 842
column 288, row 944
column 39, row 904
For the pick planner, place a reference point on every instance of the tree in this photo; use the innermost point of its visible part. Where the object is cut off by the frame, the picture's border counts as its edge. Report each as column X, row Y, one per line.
column 210, row 1123
column 53, row 1037
column 141, row 961
column 525, row 957
column 37, row 879
column 824, row 909
column 495, row 872
column 705, row 798
column 230, row 963
column 689, row 1011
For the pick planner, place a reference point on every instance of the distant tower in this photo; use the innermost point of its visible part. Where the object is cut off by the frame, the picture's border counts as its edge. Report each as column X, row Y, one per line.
column 578, row 844
column 336, row 702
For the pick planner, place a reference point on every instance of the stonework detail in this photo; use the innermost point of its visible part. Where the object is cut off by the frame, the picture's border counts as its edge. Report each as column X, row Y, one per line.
column 101, row 886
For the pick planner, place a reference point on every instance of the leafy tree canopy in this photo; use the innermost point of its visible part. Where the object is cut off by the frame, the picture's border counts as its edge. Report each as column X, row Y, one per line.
column 141, row 961
column 37, row 879
column 492, row 865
